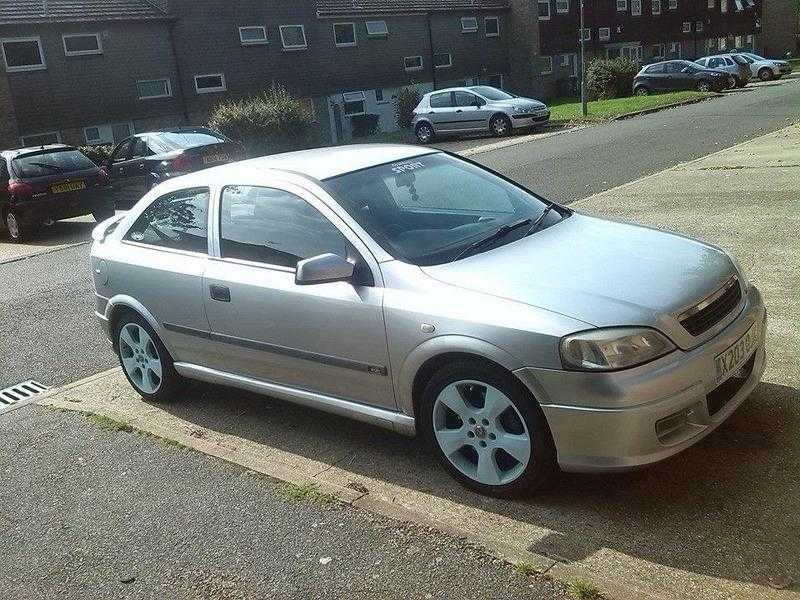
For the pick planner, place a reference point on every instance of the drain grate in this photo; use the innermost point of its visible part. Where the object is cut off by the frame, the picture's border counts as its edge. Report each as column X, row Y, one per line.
column 21, row 391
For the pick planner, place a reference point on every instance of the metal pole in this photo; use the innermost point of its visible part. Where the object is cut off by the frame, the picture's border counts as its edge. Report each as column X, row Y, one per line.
column 584, row 107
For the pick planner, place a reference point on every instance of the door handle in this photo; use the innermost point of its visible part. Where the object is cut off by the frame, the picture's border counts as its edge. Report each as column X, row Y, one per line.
column 141, row 166
column 220, row 293
column 459, row 110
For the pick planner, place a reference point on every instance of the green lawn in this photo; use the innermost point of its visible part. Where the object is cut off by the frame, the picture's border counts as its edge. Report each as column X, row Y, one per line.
column 795, row 62
column 569, row 109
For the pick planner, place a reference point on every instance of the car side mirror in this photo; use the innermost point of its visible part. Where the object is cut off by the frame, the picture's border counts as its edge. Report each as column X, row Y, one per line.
column 325, row 268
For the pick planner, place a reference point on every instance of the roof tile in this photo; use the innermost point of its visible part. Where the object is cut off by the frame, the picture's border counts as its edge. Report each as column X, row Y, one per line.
column 46, row 11
column 377, row 7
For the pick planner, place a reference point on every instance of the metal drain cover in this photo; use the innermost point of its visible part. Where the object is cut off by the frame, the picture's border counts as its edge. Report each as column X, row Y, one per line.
column 21, row 391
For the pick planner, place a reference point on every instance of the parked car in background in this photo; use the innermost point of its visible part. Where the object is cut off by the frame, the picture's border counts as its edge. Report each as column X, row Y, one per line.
column 673, row 75
column 44, row 184
column 146, row 159
column 475, row 109
column 730, row 63
column 421, row 292
column 764, row 68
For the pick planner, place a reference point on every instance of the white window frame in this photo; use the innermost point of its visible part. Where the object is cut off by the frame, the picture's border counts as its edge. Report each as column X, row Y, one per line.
column 698, row 26
column 413, row 69
column 449, row 57
column 676, row 48
column 40, row 67
column 486, row 29
column 656, row 8
column 565, row 59
column 30, row 135
column 723, row 6
column 622, row 5
column 712, row 4
column 722, row 43
column 221, row 88
column 565, row 8
column 737, row 42
column 549, row 60
column 261, row 42
column 382, row 33
column 465, row 29
column 673, row 4
column 604, row 34
column 109, row 127
column 168, row 87
column 585, row 34
column 549, row 11
column 96, row 36
column 294, row 47
column 354, row 97
column 636, row 8
column 345, row 44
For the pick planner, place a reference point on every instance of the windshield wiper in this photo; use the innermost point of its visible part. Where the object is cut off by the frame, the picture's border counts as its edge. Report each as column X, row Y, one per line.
column 490, row 239
column 47, row 166
column 538, row 222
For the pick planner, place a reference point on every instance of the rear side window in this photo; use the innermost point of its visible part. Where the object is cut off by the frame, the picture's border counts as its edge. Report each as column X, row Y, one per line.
column 274, row 227
column 654, row 69
column 51, row 163
column 441, row 101
column 178, row 221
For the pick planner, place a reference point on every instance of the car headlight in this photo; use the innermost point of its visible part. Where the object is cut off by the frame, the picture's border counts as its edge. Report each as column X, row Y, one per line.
column 613, row 348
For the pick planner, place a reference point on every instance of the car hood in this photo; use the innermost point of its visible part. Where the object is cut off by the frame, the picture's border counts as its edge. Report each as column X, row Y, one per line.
column 523, row 103
column 601, row 272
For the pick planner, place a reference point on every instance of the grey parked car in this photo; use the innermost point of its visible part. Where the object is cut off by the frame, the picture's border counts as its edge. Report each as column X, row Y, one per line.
column 766, row 69
column 475, row 109
column 423, row 293
column 730, row 63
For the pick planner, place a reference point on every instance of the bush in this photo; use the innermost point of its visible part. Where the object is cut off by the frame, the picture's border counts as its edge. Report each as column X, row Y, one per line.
column 407, row 101
column 274, row 121
column 610, row 78
column 364, row 125
column 98, row 154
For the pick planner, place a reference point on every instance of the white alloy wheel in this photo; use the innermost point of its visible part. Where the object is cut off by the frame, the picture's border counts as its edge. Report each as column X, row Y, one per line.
column 140, row 358
column 481, row 432
column 424, row 133
column 500, row 125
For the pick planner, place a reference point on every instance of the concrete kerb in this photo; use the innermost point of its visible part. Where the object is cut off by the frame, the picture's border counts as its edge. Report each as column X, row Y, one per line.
column 43, row 251
column 656, row 109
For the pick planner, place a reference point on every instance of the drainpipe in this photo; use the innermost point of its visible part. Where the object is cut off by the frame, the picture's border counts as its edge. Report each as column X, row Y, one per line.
column 430, row 44
column 178, row 74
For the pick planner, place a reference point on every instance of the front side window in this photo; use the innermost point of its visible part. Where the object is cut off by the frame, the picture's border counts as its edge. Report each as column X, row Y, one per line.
column 78, row 44
column 178, row 221
column 293, row 37
column 23, row 54
column 274, row 227
column 428, row 209
column 466, row 99
column 344, row 34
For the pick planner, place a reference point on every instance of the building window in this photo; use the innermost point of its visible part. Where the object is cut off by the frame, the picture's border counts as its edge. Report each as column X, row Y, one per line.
column 413, row 63
column 293, row 37
column 673, row 4
column 698, row 26
column 675, row 49
column 443, row 60
column 544, row 10
column 749, row 41
column 739, row 5
column 636, row 8
column 711, row 5
column 723, row 43
column 656, row 7
column 469, row 24
column 23, row 54
column 354, row 103
column 107, row 134
column 41, row 139
column 154, row 88
column 253, row 35
column 546, row 65
column 344, row 34
column 723, row 6
column 622, row 5
column 687, row 27
column 585, row 34
column 80, row 44
column 737, row 42
column 565, row 61
column 492, row 25
column 377, row 28
column 562, row 6
column 383, row 96
column 208, row 84
column 604, row 34
column 657, row 51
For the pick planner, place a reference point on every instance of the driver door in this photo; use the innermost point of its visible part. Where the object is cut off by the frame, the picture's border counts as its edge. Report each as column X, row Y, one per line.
column 470, row 112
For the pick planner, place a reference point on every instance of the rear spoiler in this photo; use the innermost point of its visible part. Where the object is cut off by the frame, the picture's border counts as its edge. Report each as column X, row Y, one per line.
column 105, row 228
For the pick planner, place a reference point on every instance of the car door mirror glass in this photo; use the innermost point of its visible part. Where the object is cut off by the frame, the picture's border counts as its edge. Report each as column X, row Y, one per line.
column 325, row 268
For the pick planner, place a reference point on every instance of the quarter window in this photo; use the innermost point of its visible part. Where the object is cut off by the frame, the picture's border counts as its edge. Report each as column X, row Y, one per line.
column 413, row 63
column 207, row 84
column 154, row 88
column 492, row 25
column 293, row 37
column 79, row 44
column 377, row 28
column 274, row 227
column 253, row 35
column 469, row 24
column 178, row 221
column 23, row 54
column 544, row 10
column 344, row 34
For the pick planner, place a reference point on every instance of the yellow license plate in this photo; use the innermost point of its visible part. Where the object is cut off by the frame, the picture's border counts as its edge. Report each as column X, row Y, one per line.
column 67, row 186
column 737, row 355
column 215, row 158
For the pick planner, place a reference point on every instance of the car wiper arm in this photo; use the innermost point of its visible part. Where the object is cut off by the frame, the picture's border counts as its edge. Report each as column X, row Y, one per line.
column 47, row 166
column 538, row 222
column 490, row 239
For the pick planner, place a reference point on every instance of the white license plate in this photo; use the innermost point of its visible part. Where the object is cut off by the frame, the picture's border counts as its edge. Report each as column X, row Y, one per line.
column 210, row 159
column 734, row 357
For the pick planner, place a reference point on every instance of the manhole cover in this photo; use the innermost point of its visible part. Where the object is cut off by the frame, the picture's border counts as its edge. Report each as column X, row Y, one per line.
column 21, row 391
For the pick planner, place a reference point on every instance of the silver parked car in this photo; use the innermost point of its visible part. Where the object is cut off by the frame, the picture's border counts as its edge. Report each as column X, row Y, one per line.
column 423, row 293
column 764, row 68
column 730, row 63
column 475, row 109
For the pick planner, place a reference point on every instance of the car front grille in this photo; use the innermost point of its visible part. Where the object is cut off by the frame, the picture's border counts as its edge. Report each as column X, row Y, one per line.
column 704, row 315
column 723, row 393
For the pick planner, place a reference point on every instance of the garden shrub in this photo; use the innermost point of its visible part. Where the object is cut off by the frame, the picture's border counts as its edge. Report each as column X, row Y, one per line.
column 610, row 78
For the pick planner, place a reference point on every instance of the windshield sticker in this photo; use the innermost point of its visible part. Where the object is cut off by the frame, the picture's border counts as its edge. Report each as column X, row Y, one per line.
column 406, row 167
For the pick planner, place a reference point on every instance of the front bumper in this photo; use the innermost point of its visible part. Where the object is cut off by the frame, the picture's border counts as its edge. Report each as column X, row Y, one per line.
column 530, row 119
column 618, row 421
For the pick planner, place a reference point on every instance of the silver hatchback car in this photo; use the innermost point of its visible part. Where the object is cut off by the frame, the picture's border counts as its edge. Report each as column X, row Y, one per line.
column 420, row 292
column 480, row 108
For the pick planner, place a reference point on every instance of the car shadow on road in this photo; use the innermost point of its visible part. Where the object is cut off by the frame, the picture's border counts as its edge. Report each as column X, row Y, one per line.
column 728, row 507
column 60, row 233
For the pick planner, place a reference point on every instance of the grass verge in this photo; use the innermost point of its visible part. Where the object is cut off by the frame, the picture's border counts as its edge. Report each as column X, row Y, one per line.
column 583, row 590
column 526, row 568
column 108, row 423
column 307, row 492
column 569, row 109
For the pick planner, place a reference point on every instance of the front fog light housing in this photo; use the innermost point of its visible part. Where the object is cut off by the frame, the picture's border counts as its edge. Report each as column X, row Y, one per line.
column 612, row 349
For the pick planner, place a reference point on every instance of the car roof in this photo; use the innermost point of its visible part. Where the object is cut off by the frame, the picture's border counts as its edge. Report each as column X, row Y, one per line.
column 322, row 163
column 17, row 152
column 450, row 89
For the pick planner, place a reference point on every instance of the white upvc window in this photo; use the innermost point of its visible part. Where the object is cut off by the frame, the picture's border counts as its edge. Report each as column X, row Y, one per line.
column 622, row 5
column 565, row 60
column 636, row 8
column 210, row 83
column 698, row 27
column 253, row 35
column 41, row 139
column 723, row 6
column 738, row 41
column 562, row 6
column 604, row 34
column 354, row 103
column 23, row 54
column 492, row 26
column 344, row 35
column 469, row 24
column 377, row 28
column 711, row 4
column 413, row 63
column 739, row 5
column 673, row 4
column 443, row 60
column 544, row 10
column 81, row 44
column 546, row 65
column 687, row 27
column 112, row 133
column 656, row 7
column 585, row 34
column 723, row 43
column 293, row 37
column 149, row 89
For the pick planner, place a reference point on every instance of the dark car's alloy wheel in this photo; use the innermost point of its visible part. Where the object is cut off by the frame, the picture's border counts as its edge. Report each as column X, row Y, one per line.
column 18, row 231
column 424, row 133
column 500, row 125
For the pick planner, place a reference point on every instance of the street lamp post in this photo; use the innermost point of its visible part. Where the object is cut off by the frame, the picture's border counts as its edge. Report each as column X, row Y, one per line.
column 584, row 107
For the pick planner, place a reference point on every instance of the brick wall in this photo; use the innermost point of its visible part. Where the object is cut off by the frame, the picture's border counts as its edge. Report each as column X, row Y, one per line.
column 9, row 133
column 780, row 26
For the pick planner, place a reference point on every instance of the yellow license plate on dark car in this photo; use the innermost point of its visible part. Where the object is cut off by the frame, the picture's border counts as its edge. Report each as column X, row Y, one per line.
column 67, row 186
column 210, row 159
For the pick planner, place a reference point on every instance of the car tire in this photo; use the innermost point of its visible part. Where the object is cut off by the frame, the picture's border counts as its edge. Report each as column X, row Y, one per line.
column 703, row 86
column 765, row 74
column 641, row 91
column 18, row 230
column 147, row 364
column 500, row 125
column 425, row 133
column 101, row 214
column 462, row 441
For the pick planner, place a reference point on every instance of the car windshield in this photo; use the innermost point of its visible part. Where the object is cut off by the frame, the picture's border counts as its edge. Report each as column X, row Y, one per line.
column 53, row 162
column 755, row 56
column 171, row 141
column 427, row 210
column 491, row 93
